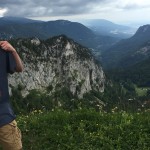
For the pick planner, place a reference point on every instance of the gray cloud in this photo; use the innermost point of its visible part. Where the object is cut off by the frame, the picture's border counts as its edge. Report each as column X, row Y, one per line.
column 40, row 8
column 133, row 5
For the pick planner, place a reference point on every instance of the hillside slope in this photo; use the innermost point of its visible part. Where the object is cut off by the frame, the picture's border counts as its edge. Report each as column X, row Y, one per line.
column 12, row 27
column 130, row 51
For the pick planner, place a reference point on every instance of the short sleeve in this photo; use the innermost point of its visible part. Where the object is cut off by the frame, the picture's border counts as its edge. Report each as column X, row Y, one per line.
column 11, row 64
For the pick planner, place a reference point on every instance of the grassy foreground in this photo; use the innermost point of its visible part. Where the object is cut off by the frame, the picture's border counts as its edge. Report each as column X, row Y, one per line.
column 85, row 130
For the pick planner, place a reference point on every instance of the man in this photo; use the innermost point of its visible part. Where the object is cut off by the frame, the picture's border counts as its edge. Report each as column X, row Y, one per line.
column 10, row 62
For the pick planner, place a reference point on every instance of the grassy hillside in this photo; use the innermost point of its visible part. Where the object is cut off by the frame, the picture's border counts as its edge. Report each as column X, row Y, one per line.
column 85, row 130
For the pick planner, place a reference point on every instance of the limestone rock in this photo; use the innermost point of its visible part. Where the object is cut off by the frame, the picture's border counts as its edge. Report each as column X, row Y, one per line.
column 59, row 62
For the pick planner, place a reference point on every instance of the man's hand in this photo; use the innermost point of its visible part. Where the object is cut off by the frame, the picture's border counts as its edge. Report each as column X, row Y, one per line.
column 7, row 46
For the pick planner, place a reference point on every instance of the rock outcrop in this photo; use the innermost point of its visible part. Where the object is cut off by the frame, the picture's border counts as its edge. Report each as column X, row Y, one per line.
column 57, row 62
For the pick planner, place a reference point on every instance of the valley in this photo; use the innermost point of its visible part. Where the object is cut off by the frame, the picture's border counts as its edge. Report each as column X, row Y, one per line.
column 84, row 86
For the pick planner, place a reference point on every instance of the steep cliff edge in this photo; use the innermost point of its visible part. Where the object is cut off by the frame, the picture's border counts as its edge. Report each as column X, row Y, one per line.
column 56, row 63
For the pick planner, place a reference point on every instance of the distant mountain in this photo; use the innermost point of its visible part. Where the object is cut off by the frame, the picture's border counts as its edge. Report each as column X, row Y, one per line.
column 16, row 20
column 12, row 27
column 105, row 27
column 142, row 33
column 129, row 51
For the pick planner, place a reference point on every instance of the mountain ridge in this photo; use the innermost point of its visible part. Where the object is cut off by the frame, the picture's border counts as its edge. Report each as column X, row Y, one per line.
column 44, row 30
column 128, row 51
column 105, row 27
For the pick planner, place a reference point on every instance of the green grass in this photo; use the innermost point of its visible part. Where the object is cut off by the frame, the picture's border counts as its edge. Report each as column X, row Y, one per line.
column 142, row 91
column 85, row 130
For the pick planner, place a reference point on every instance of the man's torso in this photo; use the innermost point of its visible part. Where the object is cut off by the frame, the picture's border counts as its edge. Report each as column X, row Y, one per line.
column 6, row 113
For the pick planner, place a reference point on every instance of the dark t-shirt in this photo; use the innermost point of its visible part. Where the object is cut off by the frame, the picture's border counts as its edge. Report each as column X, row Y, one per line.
column 7, row 65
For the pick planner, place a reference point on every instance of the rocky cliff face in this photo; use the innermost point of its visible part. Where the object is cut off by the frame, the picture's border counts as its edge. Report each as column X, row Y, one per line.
column 56, row 63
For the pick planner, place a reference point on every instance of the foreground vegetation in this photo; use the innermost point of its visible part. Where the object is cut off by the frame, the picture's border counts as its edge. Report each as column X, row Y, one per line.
column 118, row 119
column 85, row 130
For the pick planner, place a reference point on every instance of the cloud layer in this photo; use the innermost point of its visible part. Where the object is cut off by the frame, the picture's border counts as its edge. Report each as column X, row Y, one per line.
column 115, row 10
column 33, row 8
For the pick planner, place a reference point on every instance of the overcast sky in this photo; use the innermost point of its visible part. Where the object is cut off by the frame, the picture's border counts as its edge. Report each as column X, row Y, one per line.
column 118, row 11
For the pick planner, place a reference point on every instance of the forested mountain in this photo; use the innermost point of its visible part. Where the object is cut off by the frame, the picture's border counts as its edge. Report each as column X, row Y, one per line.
column 16, row 20
column 12, row 27
column 129, row 51
column 139, row 74
column 58, row 70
